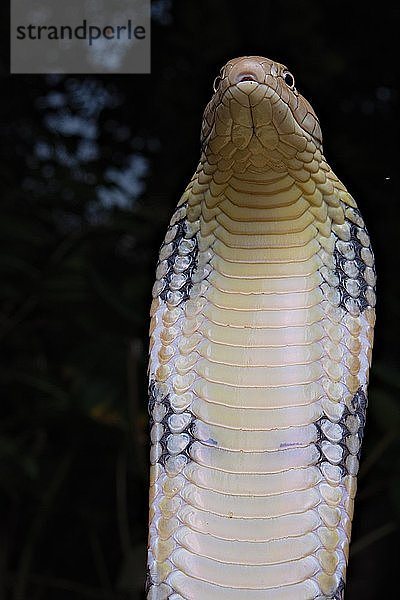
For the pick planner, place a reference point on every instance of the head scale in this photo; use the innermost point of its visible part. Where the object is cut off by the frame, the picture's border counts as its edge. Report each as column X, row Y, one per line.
column 256, row 111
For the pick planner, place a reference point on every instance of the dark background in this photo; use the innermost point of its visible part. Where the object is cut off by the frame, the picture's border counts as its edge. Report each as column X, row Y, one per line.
column 90, row 169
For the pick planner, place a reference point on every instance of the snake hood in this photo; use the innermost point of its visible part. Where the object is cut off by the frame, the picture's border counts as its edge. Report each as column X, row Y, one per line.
column 256, row 114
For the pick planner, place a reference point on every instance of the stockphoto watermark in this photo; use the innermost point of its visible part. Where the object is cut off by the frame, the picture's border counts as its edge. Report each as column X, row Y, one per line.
column 90, row 33
column 80, row 36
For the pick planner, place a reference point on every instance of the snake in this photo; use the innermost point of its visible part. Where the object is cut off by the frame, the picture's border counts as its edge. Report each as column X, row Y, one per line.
column 261, row 336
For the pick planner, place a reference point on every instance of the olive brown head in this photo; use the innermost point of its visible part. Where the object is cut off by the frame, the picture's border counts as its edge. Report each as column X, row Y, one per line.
column 257, row 118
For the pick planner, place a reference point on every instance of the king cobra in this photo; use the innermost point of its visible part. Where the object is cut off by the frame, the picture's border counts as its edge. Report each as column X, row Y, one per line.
column 261, row 334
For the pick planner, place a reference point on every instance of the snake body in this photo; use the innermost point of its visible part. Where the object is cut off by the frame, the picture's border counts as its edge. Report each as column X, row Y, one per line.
column 261, row 334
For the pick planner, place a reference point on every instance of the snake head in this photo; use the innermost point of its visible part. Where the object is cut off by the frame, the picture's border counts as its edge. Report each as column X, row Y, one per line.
column 256, row 116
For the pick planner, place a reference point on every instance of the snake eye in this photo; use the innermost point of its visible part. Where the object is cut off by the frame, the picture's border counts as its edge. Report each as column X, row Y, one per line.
column 216, row 83
column 288, row 79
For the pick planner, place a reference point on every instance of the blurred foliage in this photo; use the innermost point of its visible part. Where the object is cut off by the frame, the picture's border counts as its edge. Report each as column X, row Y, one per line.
column 90, row 169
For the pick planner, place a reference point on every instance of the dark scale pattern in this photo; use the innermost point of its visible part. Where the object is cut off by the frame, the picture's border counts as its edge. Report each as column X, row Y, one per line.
column 352, row 258
column 179, row 264
column 339, row 594
column 152, row 400
column 160, row 411
column 148, row 582
column 351, row 426
column 322, row 437
column 344, row 294
column 359, row 404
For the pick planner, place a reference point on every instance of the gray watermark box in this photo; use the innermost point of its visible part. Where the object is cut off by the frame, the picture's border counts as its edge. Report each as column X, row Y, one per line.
column 80, row 36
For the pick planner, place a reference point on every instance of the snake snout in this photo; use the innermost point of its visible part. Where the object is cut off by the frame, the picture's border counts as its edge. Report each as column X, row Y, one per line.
column 247, row 70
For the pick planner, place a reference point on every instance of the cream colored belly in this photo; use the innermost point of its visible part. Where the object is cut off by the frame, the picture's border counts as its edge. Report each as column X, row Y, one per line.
column 249, row 499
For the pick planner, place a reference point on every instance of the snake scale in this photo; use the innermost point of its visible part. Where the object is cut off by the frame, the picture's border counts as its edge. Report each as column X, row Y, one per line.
column 261, row 333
